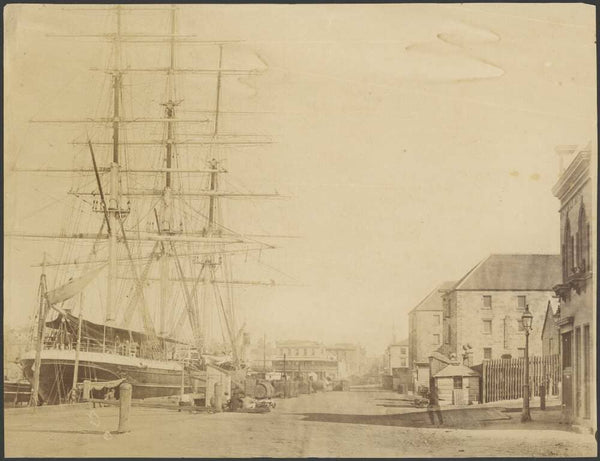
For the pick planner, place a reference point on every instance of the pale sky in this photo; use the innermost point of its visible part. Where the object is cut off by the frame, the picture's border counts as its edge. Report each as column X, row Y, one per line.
column 414, row 140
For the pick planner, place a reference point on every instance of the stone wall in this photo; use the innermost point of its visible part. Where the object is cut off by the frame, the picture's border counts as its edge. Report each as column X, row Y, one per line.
column 467, row 323
column 423, row 326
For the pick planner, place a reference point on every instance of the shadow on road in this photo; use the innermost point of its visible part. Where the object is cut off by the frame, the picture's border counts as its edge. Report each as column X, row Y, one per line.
column 476, row 418
column 458, row 418
column 59, row 431
column 395, row 403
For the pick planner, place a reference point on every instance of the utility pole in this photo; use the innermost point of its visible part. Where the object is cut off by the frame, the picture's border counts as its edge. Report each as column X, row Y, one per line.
column 285, row 379
column 265, row 352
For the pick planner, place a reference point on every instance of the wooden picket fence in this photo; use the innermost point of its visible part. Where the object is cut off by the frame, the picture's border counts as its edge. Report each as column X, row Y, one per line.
column 503, row 379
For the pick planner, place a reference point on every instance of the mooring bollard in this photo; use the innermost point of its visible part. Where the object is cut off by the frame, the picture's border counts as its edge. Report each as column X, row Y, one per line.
column 124, row 407
column 218, row 397
column 542, row 397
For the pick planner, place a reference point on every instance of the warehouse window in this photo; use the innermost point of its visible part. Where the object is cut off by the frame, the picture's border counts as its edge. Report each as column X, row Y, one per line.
column 487, row 327
column 487, row 302
column 487, row 353
column 436, row 339
column 521, row 302
column 458, row 382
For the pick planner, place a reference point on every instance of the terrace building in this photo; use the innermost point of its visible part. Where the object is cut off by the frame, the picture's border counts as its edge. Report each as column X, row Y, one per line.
column 577, row 318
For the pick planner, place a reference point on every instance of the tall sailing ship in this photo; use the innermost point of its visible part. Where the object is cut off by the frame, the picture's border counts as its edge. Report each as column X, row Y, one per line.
column 147, row 245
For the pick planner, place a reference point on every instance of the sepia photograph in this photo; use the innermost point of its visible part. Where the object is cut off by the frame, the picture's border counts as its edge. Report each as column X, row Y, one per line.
column 300, row 230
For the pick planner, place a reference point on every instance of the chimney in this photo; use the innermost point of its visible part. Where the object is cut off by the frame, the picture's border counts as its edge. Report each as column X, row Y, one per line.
column 467, row 356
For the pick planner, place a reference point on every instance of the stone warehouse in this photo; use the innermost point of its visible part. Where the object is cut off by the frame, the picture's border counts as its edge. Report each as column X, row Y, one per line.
column 482, row 311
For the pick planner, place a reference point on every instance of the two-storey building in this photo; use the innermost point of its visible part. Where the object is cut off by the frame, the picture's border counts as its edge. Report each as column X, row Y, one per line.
column 575, row 190
column 482, row 311
column 304, row 360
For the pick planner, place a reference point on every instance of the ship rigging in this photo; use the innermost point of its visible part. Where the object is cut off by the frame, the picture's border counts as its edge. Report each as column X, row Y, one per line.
column 149, row 192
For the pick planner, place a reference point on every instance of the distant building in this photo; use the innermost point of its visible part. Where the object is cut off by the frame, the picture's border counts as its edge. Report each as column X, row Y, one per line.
column 482, row 311
column 397, row 370
column 350, row 358
column 550, row 332
column 575, row 190
column 304, row 360
column 425, row 334
column 258, row 355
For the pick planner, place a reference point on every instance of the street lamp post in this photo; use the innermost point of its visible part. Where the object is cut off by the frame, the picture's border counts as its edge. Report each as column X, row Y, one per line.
column 527, row 320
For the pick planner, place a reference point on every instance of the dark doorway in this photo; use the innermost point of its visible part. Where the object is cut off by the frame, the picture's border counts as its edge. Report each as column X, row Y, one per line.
column 567, row 390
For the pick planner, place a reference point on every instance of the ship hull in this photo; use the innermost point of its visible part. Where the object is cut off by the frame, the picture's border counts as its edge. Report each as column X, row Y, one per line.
column 149, row 378
column 16, row 392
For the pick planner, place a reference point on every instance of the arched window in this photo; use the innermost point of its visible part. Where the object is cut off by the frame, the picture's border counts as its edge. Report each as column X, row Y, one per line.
column 583, row 240
column 566, row 247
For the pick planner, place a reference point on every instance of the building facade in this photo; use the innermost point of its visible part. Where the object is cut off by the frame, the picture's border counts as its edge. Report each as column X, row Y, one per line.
column 577, row 318
column 425, row 332
column 304, row 360
column 482, row 311
column 350, row 358
column 397, row 368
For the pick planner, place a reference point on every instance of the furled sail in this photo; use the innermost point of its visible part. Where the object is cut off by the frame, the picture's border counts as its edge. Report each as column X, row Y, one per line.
column 72, row 288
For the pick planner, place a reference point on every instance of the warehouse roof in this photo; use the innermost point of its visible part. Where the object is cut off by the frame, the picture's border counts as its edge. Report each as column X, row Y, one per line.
column 433, row 301
column 513, row 272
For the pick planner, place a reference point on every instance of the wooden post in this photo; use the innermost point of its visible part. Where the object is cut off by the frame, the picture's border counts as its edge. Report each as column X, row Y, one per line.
column 182, row 379
column 284, row 379
column 484, row 382
column 125, row 390
column 218, row 396
column 542, row 397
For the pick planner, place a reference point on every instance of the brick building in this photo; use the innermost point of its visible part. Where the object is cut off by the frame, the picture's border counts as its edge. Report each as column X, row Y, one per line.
column 425, row 333
column 577, row 318
column 482, row 311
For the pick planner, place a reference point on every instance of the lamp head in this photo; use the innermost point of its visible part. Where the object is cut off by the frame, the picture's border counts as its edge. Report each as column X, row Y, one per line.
column 527, row 318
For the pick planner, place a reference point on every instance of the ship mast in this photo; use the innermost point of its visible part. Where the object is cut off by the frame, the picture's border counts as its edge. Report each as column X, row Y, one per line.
column 42, row 313
column 169, row 233
column 167, row 212
column 114, row 203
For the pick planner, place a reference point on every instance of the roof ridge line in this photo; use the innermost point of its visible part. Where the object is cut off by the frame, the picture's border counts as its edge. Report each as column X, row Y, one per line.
column 468, row 274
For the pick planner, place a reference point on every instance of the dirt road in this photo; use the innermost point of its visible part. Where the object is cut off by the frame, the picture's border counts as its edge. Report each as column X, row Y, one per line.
column 342, row 424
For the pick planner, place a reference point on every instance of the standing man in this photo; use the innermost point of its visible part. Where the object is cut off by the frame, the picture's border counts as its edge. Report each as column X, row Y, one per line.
column 434, row 405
